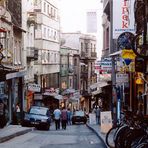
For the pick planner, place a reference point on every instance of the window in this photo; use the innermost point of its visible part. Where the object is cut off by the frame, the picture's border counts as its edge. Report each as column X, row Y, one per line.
column 54, row 13
column 81, row 46
column 86, row 47
column 44, row 32
column 94, row 47
column 91, row 47
column 44, row 7
column 35, row 2
column 52, row 34
column 19, row 52
column 75, row 62
column 48, row 56
column 51, row 11
column 55, row 35
column 54, row 57
column 48, row 9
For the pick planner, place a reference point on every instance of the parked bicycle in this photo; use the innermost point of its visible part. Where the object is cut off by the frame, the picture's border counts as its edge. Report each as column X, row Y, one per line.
column 131, row 132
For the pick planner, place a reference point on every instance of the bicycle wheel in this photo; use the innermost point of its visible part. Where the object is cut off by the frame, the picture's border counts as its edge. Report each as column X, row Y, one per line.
column 142, row 145
column 110, row 137
column 120, row 136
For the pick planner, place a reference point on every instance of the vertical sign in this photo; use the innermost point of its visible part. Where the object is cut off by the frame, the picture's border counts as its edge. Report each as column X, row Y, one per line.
column 106, row 121
column 92, row 118
column 123, row 17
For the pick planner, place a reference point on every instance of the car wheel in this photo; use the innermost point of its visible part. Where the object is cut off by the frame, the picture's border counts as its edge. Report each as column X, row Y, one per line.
column 47, row 127
column 23, row 124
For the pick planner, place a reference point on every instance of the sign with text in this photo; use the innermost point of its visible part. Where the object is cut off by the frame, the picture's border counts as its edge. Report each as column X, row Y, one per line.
column 106, row 121
column 34, row 87
column 122, row 78
column 123, row 17
column 92, row 118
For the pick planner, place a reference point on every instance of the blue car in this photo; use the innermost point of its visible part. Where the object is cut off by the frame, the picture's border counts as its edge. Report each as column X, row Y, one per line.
column 38, row 117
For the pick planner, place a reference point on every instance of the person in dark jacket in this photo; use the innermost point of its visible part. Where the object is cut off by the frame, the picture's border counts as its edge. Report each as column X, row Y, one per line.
column 64, row 118
column 2, row 114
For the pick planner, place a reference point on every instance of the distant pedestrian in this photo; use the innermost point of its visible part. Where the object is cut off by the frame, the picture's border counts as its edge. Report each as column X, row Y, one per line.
column 69, row 116
column 57, row 115
column 97, row 111
column 64, row 118
column 2, row 114
column 18, row 113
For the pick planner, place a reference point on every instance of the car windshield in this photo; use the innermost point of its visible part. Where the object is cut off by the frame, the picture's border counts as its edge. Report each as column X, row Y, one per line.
column 79, row 113
column 38, row 111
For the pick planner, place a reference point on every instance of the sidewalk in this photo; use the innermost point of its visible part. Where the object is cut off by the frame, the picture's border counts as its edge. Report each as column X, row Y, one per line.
column 12, row 131
column 96, row 128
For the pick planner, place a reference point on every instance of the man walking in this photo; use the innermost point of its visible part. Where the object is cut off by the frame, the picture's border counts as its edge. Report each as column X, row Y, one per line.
column 97, row 111
column 57, row 115
column 64, row 118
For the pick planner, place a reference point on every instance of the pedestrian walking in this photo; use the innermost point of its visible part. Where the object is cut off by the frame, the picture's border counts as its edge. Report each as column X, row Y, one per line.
column 69, row 116
column 64, row 118
column 97, row 111
column 18, row 113
column 57, row 115
column 2, row 114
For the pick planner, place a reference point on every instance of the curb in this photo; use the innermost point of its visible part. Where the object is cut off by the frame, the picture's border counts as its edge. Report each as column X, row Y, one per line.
column 97, row 135
column 6, row 138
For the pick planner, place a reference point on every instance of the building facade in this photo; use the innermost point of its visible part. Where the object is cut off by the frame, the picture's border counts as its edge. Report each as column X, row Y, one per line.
column 42, row 50
column 12, row 68
column 86, row 45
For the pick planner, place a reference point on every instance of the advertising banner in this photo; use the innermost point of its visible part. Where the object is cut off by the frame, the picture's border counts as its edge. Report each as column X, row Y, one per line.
column 123, row 17
column 106, row 121
column 92, row 118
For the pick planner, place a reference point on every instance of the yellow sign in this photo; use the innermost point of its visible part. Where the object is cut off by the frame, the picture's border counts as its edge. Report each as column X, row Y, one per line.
column 128, row 54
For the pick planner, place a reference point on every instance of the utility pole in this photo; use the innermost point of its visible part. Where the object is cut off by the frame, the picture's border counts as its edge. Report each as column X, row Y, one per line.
column 113, row 107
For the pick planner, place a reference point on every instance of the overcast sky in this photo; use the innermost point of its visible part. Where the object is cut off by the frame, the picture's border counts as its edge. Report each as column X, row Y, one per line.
column 73, row 16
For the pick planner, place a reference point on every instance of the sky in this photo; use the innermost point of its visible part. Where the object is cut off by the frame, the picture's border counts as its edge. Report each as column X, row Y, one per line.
column 73, row 17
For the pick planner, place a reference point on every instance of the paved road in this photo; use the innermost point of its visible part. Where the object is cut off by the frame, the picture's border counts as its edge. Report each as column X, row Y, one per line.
column 75, row 136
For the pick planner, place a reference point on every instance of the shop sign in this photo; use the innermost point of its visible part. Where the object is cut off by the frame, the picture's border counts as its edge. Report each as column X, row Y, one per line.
column 128, row 54
column 38, row 97
column 123, row 12
column 106, row 121
column 34, row 87
column 122, row 78
column 92, row 118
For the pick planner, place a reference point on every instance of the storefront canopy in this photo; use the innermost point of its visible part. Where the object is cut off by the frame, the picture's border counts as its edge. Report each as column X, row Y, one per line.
column 68, row 91
column 59, row 97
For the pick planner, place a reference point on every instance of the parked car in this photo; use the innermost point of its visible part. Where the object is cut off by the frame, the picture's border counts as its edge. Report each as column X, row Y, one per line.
column 79, row 117
column 38, row 117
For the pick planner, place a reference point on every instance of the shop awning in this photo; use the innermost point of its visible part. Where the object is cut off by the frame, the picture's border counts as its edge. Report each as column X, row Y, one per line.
column 96, row 92
column 116, row 53
column 68, row 91
column 59, row 97
column 98, row 85
column 50, row 94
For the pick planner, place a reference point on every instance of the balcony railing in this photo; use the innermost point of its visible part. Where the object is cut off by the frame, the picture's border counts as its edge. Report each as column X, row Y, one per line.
column 93, row 54
column 32, row 18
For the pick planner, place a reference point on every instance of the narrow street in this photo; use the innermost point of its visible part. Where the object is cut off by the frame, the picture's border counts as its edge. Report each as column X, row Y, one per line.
column 75, row 136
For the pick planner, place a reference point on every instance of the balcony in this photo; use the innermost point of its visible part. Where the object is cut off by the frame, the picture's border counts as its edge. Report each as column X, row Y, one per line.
column 84, row 54
column 84, row 74
column 93, row 54
column 71, row 69
column 32, row 18
column 32, row 53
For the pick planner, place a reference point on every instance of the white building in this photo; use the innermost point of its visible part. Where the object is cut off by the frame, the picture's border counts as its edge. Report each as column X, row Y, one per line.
column 41, row 45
